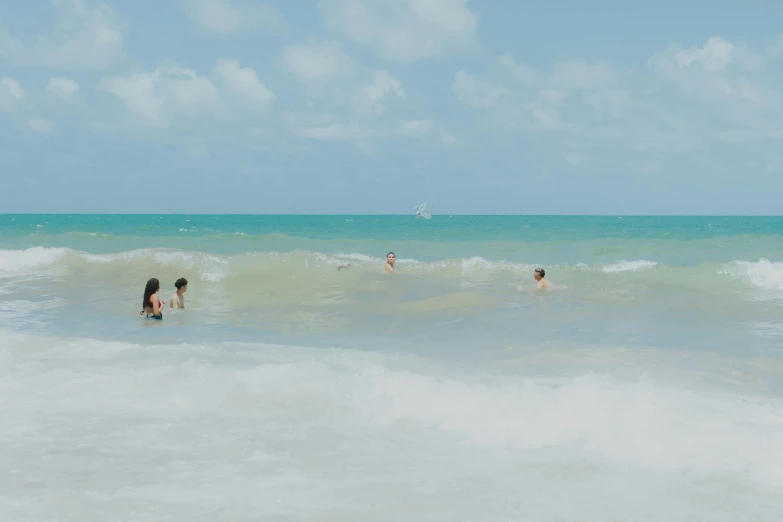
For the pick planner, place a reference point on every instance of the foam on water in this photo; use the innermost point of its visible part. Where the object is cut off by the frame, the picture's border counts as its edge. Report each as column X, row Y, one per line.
column 95, row 431
column 14, row 261
column 629, row 266
column 764, row 274
column 634, row 425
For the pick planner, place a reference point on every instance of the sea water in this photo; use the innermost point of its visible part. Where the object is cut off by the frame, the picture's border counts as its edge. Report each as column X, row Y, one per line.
column 646, row 385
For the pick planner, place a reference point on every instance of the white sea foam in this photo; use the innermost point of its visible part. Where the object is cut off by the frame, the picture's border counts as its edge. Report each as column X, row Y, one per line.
column 211, row 268
column 477, row 270
column 763, row 274
column 33, row 258
column 358, row 257
column 130, row 255
column 471, row 271
column 230, row 431
column 626, row 424
column 629, row 266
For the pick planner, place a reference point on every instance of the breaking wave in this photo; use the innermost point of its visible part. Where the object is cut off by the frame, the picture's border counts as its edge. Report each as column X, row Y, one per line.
column 211, row 268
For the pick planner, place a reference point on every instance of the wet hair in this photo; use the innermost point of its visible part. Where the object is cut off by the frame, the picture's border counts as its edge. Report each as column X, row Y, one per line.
column 540, row 271
column 153, row 285
column 179, row 283
column 391, row 254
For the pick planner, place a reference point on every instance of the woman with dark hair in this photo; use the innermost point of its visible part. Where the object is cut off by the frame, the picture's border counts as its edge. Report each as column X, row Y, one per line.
column 151, row 305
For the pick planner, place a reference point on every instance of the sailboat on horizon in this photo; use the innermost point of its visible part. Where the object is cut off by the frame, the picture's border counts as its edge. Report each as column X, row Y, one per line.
column 423, row 211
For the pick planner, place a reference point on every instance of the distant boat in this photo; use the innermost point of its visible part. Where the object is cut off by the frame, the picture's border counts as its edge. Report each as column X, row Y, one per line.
column 423, row 211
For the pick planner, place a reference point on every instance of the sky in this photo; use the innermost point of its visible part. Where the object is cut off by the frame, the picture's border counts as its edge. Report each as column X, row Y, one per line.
column 374, row 106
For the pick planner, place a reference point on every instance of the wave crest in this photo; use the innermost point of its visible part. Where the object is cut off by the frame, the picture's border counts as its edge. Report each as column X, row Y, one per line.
column 313, row 267
column 629, row 266
column 763, row 274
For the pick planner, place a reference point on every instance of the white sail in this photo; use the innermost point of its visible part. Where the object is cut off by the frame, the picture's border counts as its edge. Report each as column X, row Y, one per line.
column 423, row 211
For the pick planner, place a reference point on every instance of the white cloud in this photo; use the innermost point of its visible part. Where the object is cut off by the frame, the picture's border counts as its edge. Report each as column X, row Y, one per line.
column 478, row 93
column 158, row 95
column 685, row 100
column 513, row 106
column 715, row 56
column 244, row 83
column 718, row 71
column 723, row 90
column 87, row 36
column 361, row 114
column 41, row 125
column 63, row 87
column 565, row 75
column 417, row 128
column 403, row 31
column 11, row 94
column 327, row 127
column 538, row 98
column 361, row 104
column 316, row 61
column 226, row 18
column 337, row 132
column 369, row 98
column 137, row 92
column 346, row 102
column 425, row 130
column 169, row 91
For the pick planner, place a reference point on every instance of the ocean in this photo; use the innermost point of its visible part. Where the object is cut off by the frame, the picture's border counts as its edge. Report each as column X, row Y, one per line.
column 646, row 385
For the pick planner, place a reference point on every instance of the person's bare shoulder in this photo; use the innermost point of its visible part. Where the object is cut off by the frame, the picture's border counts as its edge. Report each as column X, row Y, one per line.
column 174, row 303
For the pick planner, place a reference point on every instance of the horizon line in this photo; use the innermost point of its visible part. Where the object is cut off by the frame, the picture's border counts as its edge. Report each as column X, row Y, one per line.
column 369, row 215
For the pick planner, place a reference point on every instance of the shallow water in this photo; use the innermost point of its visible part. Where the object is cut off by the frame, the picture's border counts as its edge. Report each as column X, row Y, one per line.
column 450, row 390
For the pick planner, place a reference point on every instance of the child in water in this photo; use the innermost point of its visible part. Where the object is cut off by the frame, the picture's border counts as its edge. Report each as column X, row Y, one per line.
column 151, row 305
column 178, row 299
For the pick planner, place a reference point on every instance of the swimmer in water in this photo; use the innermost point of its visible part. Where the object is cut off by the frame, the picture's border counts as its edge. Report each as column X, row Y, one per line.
column 539, row 274
column 178, row 299
column 390, row 258
column 151, row 305
column 345, row 266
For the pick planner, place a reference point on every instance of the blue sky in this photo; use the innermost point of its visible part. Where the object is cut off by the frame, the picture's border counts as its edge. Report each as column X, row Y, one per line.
column 372, row 106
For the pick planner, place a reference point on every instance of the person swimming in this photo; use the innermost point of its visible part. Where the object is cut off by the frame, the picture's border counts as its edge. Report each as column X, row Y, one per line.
column 345, row 266
column 538, row 275
column 178, row 299
column 151, row 305
column 390, row 258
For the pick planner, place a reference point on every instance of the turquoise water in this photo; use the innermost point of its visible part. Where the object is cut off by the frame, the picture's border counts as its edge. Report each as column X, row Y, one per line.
column 263, row 231
column 457, row 276
column 452, row 389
